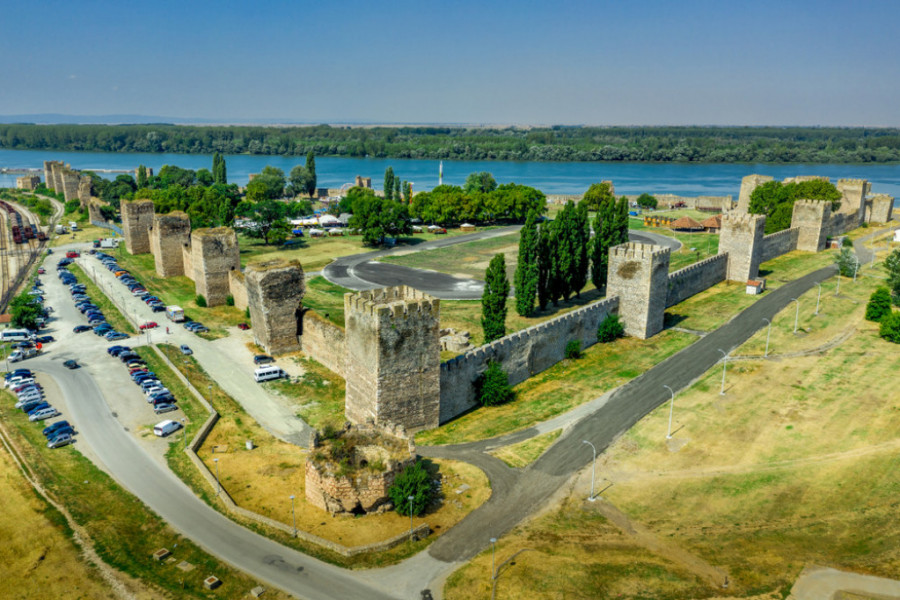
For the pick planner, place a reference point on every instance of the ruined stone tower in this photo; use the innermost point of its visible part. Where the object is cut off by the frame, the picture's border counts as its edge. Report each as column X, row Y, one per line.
column 84, row 191
column 853, row 197
column 393, row 357
column 879, row 208
column 639, row 276
column 274, row 292
column 70, row 180
column 748, row 184
column 742, row 238
column 811, row 218
column 169, row 234
column 137, row 219
column 214, row 252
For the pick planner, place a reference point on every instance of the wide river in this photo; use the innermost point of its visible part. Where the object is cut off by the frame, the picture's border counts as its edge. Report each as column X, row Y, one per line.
column 550, row 177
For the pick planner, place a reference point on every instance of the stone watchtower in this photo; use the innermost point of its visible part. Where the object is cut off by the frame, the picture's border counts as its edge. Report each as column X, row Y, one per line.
column 639, row 276
column 169, row 234
column 84, row 191
column 742, row 239
column 853, row 196
column 214, row 252
column 393, row 358
column 137, row 219
column 811, row 218
column 274, row 292
column 748, row 184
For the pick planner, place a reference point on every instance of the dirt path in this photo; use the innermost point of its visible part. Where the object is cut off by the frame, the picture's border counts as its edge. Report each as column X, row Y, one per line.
column 644, row 537
column 815, row 583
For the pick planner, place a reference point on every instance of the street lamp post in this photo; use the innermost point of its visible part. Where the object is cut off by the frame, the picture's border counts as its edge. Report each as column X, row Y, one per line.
column 410, row 498
column 855, row 268
column 768, row 333
column 818, row 297
column 593, row 467
column 293, row 516
column 797, row 315
column 493, row 548
column 838, row 290
column 184, row 432
column 218, row 485
column 671, row 410
column 724, row 366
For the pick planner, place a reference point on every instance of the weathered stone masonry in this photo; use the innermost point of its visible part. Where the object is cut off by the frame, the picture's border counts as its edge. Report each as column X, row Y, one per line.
column 168, row 236
column 274, row 291
column 741, row 240
column 695, row 278
column 215, row 252
column 137, row 219
column 638, row 274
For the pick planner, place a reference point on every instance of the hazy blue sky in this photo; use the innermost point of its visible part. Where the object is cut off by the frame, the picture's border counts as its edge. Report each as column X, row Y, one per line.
column 553, row 62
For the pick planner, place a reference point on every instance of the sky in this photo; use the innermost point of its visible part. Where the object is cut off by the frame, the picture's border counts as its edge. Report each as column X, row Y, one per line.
column 628, row 62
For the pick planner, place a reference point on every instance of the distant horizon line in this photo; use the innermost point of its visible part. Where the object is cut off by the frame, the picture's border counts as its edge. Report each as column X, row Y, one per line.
column 135, row 119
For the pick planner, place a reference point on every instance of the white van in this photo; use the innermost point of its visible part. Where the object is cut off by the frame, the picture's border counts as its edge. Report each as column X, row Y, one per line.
column 164, row 428
column 268, row 373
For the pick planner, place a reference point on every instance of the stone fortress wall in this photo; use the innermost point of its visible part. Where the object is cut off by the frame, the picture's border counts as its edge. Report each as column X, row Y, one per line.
column 274, row 294
column 776, row 244
column 324, row 341
column 168, row 236
column 695, row 278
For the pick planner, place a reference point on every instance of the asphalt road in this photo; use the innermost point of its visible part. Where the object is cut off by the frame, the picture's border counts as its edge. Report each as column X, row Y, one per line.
column 365, row 272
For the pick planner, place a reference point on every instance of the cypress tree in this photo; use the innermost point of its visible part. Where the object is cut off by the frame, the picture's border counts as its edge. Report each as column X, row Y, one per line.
column 407, row 192
column 142, row 176
column 389, row 183
column 605, row 237
column 563, row 253
column 397, row 195
column 527, row 268
column 581, row 236
column 311, row 180
column 545, row 264
column 218, row 172
column 621, row 220
column 493, row 300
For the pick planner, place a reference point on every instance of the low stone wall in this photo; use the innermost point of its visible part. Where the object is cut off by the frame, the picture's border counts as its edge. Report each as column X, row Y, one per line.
column 521, row 354
column 776, row 244
column 695, row 278
column 710, row 203
column 324, row 342
column 238, row 287
column 841, row 223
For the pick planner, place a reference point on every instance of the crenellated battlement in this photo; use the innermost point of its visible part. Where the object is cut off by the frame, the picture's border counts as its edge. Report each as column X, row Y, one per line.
column 848, row 182
column 739, row 218
column 816, row 205
column 392, row 303
column 638, row 251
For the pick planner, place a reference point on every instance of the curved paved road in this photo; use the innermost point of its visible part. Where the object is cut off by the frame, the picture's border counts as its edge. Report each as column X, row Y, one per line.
column 365, row 272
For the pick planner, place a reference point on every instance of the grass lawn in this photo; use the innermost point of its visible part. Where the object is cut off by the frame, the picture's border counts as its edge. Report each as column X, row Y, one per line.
column 110, row 311
column 463, row 260
column 796, row 464
column 124, row 532
column 263, row 479
column 179, row 291
column 319, row 392
column 524, row 453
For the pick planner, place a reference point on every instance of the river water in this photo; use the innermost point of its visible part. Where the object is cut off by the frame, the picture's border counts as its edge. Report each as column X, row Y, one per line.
column 550, row 177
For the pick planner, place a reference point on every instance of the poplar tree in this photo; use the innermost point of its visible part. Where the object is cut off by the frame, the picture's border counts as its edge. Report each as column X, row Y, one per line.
column 603, row 229
column 526, row 279
column 397, row 195
column 621, row 222
column 407, row 192
column 311, row 180
column 493, row 300
column 563, row 253
column 142, row 177
column 389, row 183
column 545, row 264
column 581, row 237
column 218, row 171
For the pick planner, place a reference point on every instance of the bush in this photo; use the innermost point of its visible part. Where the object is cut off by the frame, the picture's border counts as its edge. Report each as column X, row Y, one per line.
column 573, row 349
column 847, row 262
column 229, row 300
column 492, row 387
column 72, row 206
column 610, row 329
column 890, row 327
column 201, row 301
column 847, row 243
column 879, row 304
column 247, row 312
column 413, row 481
column 647, row 201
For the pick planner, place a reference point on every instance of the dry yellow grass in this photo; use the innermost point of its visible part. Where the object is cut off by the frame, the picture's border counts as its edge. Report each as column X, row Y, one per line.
column 37, row 558
column 262, row 480
column 524, row 453
column 796, row 464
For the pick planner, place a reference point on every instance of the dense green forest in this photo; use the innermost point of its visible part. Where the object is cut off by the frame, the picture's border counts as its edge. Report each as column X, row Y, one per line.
column 634, row 144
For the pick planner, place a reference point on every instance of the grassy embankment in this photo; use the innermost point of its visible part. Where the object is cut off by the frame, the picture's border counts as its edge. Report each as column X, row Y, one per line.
column 124, row 532
column 262, row 480
column 794, row 465
column 179, row 291
column 604, row 367
column 524, row 453
column 113, row 316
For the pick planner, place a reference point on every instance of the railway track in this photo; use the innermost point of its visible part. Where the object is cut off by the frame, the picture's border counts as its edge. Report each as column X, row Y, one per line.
column 23, row 241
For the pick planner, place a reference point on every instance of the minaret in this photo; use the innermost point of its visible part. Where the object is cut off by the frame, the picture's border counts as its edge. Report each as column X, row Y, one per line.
column 441, row 174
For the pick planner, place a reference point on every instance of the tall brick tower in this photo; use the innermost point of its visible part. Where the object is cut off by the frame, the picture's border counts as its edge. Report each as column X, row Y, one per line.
column 639, row 276
column 137, row 219
column 393, row 357
column 274, row 294
column 742, row 237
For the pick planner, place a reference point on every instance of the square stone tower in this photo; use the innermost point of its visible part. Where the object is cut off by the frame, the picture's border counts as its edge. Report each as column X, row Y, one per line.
column 853, row 197
column 880, row 207
column 215, row 252
column 811, row 218
column 639, row 276
column 748, row 184
column 137, row 219
column 742, row 238
column 169, row 234
column 84, row 191
column 393, row 358
column 274, row 293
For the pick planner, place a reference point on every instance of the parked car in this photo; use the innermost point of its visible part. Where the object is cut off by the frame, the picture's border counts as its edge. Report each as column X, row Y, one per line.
column 186, row 350
column 149, row 325
column 44, row 413
column 262, row 359
column 61, row 441
column 164, row 428
column 243, row 326
column 71, row 364
column 81, row 328
column 51, row 430
column 41, row 270
column 114, row 336
column 45, row 339
column 164, row 407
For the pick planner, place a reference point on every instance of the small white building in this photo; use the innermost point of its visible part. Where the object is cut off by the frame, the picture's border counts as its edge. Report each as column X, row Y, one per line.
column 897, row 235
column 756, row 286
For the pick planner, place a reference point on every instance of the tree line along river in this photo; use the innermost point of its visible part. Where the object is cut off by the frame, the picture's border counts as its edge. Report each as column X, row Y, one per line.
column 685, row 179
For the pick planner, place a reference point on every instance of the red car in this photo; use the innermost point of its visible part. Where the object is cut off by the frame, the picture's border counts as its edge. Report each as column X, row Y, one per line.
column 73, row 254
column 41, row 271
column 149, row 325
column 243, row 326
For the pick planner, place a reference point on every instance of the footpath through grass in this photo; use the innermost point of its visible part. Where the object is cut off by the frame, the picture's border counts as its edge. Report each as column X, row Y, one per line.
column 113, row 315
column 125, row 533
column 796, row 464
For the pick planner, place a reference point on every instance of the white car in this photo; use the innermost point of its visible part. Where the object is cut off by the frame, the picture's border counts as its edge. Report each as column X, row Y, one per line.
column 164, row 428
column 44, row 413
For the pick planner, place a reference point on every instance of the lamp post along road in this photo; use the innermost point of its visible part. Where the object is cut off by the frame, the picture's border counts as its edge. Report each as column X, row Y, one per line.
column 671, row 410
column 797, row 315
column 724, row 366
column 410, row 498
column 593, row 467
column 768, row 333
column 818, row 297
column 218, row 485
column 493, row 548
column 293, row 515
column 838, row 290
